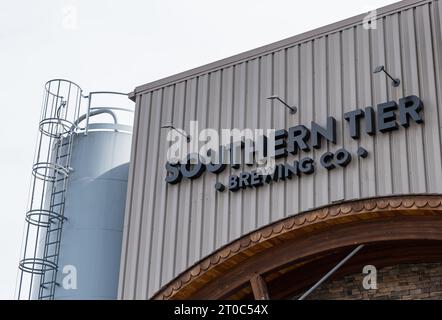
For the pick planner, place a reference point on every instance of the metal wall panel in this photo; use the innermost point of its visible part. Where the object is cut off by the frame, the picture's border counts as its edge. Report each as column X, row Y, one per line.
column 170, row 227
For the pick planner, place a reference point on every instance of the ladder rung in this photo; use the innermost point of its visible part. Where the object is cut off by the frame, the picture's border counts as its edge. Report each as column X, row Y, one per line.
column 51, row 243
column 47, row 285
column 44, row 285
column 53, row 230
column 57, row 204
column 51, row 256
column 63, row 156
column 57, row 192
column 51, row 282
column 57, row 220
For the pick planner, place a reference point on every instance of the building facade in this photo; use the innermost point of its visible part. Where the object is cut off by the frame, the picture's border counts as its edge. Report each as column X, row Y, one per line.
column 375, row 179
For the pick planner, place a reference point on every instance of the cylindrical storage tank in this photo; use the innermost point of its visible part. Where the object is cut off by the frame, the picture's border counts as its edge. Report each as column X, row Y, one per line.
column 90, row 248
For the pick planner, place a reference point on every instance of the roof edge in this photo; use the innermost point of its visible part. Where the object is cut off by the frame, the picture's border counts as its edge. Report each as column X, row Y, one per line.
column 288, row 42
column 132, row 96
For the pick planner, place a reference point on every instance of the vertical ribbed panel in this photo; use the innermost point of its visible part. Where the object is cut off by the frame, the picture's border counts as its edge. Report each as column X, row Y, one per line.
column 170, row 227
column 293, row 97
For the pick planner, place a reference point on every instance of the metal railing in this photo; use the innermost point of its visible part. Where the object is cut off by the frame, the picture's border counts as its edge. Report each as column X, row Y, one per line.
column 95, row 110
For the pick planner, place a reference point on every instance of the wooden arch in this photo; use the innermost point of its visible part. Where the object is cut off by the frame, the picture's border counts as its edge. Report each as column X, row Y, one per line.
column 292, row 242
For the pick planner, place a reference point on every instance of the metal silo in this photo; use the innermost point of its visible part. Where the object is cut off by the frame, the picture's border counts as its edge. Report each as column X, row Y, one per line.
column 72, row 240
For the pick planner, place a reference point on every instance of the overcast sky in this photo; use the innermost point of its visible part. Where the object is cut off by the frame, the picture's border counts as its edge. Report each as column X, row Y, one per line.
column 117, row 45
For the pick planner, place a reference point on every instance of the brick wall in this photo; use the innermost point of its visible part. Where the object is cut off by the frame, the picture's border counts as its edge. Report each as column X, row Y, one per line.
column 400, row 282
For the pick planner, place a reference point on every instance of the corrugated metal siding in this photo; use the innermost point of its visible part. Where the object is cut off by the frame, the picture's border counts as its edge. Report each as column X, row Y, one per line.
column 170, row 227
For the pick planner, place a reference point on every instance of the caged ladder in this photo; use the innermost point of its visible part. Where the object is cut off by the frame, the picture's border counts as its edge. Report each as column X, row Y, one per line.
column 51, row 250
column 39, row 270
column 50, row 172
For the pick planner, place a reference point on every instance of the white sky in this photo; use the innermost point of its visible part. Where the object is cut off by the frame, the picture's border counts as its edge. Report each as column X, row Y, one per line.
column 118, row 45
